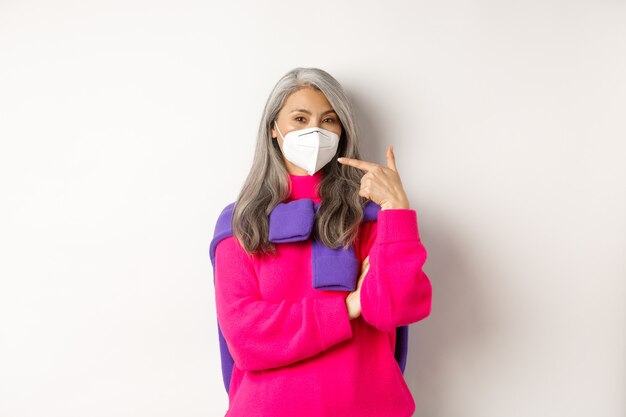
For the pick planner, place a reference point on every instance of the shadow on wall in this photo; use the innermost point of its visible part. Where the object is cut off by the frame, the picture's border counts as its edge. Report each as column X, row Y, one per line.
column 458, row 318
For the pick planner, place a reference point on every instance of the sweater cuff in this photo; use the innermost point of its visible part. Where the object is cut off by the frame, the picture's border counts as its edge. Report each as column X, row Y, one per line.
column 397, row 225
column 333, row 320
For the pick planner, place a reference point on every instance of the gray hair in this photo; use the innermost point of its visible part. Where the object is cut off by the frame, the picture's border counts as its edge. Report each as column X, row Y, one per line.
column 267, row 184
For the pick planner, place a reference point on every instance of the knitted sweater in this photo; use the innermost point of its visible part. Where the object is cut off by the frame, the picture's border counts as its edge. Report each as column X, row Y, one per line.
column 296, row 351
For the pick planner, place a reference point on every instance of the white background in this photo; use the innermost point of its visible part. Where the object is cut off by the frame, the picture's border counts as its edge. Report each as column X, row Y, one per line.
column 126, row 126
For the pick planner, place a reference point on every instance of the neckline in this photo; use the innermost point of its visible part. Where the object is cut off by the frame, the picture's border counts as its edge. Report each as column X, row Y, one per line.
column 305, row 186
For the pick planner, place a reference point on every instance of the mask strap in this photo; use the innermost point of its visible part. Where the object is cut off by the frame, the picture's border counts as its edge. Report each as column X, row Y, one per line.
column 279, row 132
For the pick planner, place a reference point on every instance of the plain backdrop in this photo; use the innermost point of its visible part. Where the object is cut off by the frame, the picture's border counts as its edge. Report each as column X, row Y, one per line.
column 126, row 127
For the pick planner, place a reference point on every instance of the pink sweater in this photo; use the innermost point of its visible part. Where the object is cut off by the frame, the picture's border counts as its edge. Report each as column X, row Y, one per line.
column 296, row 351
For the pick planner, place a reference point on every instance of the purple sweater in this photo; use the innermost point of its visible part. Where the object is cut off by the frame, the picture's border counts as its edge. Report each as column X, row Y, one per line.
column 295, row 349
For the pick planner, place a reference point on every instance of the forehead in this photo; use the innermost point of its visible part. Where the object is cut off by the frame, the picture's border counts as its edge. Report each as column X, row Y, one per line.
column 307, row 98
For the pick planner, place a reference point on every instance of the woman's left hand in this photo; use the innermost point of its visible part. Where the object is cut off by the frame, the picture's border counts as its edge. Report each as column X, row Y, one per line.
column 381, row 184
column 353, row 300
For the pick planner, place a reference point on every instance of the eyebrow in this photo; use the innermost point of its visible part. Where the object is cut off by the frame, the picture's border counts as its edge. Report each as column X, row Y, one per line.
column 308, row 112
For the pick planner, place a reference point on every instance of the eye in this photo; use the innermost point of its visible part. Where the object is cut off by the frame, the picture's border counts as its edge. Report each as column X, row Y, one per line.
column 331, row 120
column 299, row 117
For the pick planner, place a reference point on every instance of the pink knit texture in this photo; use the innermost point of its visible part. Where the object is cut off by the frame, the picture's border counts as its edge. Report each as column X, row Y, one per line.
column 296, row 351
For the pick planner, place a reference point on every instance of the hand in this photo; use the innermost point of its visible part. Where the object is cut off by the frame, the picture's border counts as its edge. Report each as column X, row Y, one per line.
column 353, row 301
column 381, row 184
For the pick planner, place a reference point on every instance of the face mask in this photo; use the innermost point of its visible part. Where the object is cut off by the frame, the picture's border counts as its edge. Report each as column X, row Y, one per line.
column 309, row 148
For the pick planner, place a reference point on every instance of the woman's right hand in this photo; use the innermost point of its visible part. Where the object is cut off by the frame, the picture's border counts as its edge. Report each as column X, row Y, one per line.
column 353, row 300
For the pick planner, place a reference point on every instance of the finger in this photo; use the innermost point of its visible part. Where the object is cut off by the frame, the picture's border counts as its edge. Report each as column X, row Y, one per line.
column 391, row 159
column 364, row 272
column 364, row 190
column 357, row 163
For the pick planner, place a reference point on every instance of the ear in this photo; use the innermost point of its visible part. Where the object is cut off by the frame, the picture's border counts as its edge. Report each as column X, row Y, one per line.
column 273, row 131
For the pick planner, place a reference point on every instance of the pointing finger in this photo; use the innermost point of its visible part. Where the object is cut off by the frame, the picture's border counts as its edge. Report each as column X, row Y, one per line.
column 357, row 163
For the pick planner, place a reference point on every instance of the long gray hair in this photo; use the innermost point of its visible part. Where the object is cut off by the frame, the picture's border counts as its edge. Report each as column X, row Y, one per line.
column 341, row 210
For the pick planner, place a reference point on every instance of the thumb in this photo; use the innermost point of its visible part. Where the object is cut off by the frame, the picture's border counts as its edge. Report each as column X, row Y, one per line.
column 391, row 159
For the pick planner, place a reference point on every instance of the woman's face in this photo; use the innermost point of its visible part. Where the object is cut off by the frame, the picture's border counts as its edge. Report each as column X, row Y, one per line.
column 305, row 108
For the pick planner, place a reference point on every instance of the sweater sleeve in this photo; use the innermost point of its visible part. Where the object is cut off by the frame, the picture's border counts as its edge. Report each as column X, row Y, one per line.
column 396, row 291
column 261, row 334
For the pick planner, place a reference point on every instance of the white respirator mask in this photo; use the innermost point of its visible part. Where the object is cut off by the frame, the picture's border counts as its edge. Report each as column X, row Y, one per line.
column 309, row 148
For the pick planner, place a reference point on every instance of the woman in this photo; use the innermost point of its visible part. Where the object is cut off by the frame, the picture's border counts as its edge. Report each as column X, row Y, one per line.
column 321, row 264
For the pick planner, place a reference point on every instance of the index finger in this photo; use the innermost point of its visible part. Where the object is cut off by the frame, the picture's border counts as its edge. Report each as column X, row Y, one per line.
column 357, row 163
